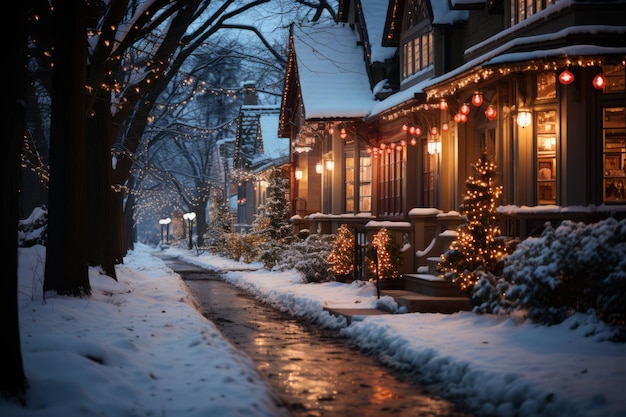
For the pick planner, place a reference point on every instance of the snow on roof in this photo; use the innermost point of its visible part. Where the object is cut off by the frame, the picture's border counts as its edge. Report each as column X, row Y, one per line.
column 275, row 149
column 442, row 15
column 332, row 72
column 375, row 14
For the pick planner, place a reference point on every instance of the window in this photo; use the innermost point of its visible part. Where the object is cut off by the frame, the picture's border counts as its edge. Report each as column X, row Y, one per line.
column 523, row 9
column 615, row 78
column 364, row 181
column 418, row 53
column 349, row 182
column 546, row 85
column 390, row 184
column 614, row 154
column 546, row 156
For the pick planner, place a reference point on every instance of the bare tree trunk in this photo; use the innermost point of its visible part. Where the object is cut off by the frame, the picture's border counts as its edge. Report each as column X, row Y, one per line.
column 13, row 381
column 66, row 256
column 100, row 221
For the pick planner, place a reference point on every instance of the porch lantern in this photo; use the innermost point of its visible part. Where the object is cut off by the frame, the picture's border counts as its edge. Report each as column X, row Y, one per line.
column 490, row 112
column 330, row 164
column 477, row 98
column 319, row 168
column 523, row 117
column 566, row 77
column 465, row 109
column 443, row 105
column 599, row 82
column 298, row 174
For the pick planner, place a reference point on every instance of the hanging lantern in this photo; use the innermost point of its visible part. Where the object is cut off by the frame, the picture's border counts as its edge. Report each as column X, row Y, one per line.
column 412, row 130
column 523, row 117
column 465, row 109
column 490, row 112
column 599, row 81
column 457, row 118
column 566, row 77
column 477, row 99
column 331, row 129
column 443, row 105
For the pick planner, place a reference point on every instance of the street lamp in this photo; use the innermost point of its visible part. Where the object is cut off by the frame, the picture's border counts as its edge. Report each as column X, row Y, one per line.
column 165, row 223
column 189, row 217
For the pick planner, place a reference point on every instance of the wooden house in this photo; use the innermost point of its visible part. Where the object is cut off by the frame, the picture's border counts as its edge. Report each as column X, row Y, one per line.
column 539, row 85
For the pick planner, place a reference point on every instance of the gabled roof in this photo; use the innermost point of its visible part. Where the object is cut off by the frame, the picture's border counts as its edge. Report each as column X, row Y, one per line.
column 374, row 13
column 275, row 149
column 331, row 70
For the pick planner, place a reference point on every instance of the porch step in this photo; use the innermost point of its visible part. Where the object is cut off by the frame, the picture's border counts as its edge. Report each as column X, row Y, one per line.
column 431, row 285
column 354, row 314
column 421, row 303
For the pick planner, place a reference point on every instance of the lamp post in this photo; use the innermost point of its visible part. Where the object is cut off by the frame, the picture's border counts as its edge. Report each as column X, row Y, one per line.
column 189, row 217
column 165, row 223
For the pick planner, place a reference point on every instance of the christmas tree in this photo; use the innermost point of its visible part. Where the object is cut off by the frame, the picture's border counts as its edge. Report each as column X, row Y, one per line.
column 385, row 255
column 477, row 248
column 220, row 223
column 341, row 257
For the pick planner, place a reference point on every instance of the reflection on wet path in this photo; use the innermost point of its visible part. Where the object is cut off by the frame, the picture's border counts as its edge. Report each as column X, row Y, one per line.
column 314, row 371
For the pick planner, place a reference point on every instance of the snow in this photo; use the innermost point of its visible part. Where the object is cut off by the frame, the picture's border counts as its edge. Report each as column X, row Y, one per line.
column 331, row 70
column 138, row 346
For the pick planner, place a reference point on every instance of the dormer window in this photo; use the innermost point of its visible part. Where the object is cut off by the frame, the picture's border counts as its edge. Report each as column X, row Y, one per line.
column 417, row 53
column 523, row 9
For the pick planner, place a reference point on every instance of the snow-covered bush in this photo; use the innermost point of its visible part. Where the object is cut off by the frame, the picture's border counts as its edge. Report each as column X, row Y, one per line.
column 34, row 229
column 309, row 258
column 573, row 268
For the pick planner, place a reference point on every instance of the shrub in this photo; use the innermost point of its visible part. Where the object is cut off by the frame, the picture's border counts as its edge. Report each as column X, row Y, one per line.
column 309, row 258
column 573, row 268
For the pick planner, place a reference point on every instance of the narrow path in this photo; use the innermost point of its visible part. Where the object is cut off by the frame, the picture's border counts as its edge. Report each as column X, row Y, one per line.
column 314, row 371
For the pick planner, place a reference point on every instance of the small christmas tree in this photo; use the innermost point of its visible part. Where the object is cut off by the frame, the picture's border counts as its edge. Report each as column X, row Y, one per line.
column 387, row 254
column 477, row 249
column 341, row 258
column 220, row 223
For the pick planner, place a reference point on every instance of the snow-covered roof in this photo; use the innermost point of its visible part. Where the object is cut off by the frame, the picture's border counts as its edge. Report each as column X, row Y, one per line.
column 332, row 72
column 375, row 13
column 275, row 149
column 442, row 15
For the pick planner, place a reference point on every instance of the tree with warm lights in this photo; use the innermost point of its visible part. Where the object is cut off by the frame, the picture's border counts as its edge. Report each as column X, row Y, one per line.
column 341, row 257
column 477, row 249
column 385, row 255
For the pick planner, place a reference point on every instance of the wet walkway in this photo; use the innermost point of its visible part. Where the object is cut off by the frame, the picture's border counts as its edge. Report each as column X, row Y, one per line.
column 314, row 371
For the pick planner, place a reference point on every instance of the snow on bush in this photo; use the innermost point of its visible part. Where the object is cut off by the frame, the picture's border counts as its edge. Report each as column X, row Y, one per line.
column 575, row 267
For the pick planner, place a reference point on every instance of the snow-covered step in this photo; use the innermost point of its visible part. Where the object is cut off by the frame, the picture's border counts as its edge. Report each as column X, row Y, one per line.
column 431, row 285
